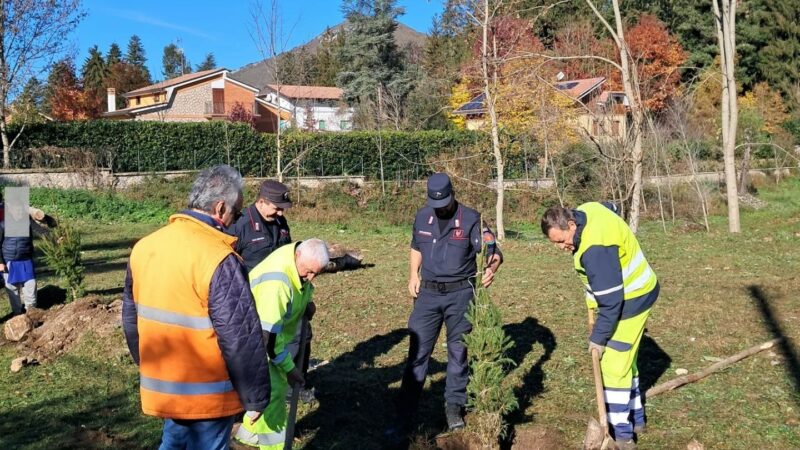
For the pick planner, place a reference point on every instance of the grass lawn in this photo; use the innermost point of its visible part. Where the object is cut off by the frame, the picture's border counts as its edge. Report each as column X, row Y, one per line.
column 720, row 294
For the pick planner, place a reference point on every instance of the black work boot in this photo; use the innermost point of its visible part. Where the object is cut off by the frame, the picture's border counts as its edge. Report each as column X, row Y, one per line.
column 455, row 420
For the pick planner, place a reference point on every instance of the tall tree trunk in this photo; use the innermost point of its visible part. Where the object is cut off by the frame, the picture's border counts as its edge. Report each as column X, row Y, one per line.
column 725, row 21
column 630, row 82
column 6, row 142
column 743, row 172
column 488, row 86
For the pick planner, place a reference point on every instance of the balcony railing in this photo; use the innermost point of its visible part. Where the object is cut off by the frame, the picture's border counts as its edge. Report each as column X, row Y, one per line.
column 225, row 108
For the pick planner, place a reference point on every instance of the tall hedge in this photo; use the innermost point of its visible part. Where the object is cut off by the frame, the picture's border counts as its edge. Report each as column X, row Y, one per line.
column 141, row 146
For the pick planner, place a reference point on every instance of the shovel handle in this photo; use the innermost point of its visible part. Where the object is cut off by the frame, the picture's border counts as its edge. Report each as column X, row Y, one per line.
column 598, row 379
column 292, row 418
column 598, row 389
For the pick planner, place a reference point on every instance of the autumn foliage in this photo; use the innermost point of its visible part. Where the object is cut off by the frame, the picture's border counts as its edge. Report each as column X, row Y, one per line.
column 658, row 56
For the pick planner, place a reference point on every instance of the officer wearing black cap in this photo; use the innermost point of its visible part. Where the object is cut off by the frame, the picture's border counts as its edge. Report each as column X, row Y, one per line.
column 446, row 239
column 262, row 228
column 260, row 231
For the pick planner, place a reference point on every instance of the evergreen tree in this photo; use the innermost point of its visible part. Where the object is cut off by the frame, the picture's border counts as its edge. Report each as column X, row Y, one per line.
column 208, row 63
column 136, row 56
column 94, row 71
column 768, row 43
column 174, row 62
column 114, row 55
column 370, row 56
column 327, row 62
column 28, row 104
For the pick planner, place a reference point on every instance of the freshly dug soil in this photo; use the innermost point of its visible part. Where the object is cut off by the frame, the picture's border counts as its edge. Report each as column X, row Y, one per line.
column 60, row 328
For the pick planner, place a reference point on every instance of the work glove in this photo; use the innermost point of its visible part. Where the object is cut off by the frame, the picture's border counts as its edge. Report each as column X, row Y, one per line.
column 600, row 348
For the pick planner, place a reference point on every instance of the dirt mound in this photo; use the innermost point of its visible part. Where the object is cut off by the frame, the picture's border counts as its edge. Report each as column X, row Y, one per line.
column 61, row 327
column 532, row 438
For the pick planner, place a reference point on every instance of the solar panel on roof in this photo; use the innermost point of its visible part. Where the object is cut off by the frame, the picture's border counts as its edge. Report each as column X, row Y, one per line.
column 567, row 86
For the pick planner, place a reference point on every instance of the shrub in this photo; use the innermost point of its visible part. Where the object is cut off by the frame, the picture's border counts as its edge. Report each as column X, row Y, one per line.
column 62, row 252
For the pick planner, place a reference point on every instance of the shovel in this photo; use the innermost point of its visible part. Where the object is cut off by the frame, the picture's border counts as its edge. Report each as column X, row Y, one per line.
column 292, row 419
column 597, row 437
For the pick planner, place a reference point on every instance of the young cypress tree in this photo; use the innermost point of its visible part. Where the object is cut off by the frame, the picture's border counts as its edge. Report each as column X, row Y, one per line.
column 489, row 398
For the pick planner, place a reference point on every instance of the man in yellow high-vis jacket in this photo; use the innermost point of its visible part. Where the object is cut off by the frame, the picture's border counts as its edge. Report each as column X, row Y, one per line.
column 282, row 289
column 622, row 287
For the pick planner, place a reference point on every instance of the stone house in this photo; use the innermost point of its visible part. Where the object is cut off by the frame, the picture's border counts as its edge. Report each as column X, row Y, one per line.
column 212, row 95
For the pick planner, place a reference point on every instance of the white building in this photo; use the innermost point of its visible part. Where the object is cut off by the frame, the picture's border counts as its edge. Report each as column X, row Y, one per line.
column 319, row 108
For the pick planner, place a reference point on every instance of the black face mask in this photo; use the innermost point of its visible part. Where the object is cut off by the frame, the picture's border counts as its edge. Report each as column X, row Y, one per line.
column 447, row 212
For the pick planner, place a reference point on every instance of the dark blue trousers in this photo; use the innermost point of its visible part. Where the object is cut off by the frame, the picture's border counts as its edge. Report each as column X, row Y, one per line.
column 213, row 434
column 431, row 310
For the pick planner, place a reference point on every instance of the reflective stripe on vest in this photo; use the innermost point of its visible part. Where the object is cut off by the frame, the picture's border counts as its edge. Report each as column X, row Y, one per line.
column 254, row 439
column 271, row 327
column 173, row 318
column 603, row 227
column 271, row 276
column 280, row 357
column 185, row 388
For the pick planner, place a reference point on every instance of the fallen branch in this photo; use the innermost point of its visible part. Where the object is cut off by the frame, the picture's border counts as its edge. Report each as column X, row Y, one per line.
column 716, row 367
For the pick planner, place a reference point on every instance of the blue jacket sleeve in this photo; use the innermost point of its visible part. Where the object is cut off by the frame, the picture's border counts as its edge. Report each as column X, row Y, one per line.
column 130, row 324
column 605, row 279
column 235, row 320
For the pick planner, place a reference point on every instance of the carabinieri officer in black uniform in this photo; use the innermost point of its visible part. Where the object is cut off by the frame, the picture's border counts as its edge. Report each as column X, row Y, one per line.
column 446, row 239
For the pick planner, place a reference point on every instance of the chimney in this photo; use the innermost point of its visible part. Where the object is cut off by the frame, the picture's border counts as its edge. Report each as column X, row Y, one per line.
column 112, row 99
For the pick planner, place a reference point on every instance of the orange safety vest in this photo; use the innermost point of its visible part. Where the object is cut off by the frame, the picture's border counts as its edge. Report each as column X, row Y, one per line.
column 182, row 371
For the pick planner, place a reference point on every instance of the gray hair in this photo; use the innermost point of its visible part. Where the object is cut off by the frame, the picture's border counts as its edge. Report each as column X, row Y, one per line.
column 220, row 183
column 314, row 250
column 556, row 217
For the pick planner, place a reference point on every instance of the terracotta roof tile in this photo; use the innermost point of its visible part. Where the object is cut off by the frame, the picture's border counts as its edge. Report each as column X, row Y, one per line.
column 172, row 82
column 319, row 92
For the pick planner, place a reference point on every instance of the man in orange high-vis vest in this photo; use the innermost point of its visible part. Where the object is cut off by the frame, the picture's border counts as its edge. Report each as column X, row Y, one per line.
column 191, row 323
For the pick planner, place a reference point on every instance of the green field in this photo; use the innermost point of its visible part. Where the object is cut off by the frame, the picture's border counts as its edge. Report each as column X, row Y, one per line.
column 720, row 294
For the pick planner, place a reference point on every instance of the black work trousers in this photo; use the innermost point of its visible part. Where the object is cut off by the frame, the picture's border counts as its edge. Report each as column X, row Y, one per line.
column 431, row 310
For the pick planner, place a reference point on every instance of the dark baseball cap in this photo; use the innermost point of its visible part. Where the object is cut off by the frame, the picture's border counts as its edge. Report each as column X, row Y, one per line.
column 440, row 190
column 276, row 193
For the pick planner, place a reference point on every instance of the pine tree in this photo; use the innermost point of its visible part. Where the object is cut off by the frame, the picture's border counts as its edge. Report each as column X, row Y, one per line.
column 114, row 55
column 370, row 55
column 94, row 71
column 328, row 64
column 136, row 56
column 768, row 43
column 174, row 62
column 208, row 63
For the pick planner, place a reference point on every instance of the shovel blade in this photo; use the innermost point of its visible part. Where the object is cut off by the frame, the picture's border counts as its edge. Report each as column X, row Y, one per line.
column 594, row 435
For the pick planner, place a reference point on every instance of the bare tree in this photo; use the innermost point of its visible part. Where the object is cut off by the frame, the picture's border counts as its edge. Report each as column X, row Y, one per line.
column 630, row 83
column 725, row 21
column 270, row 40
column 482, row 14
column 32, row 37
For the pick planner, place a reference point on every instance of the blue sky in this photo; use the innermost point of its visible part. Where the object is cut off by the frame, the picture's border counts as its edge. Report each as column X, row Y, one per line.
column 219, row 27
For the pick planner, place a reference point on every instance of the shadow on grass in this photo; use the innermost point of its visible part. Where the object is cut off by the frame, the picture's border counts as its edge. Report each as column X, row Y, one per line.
column 49, row 296
column 89, row 417
column 773, row 325
column 652, row 362
column 355, row 400
column 109, row 245
column 109, row 291
column 526, row 335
